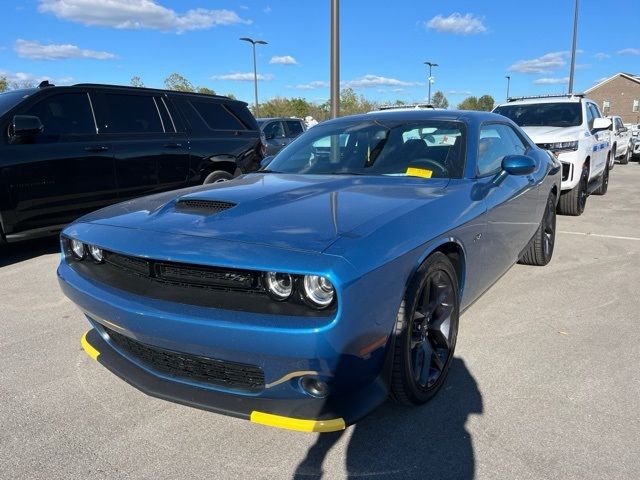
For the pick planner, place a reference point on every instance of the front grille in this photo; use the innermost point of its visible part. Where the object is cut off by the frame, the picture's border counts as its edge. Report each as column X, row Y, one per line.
column 211, row 206
column 231, row 375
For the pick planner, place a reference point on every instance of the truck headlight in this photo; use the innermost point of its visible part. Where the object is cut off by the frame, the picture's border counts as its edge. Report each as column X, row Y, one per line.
column 563, row 146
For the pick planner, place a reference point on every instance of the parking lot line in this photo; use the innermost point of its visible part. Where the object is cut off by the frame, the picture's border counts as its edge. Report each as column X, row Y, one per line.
column 589, row 234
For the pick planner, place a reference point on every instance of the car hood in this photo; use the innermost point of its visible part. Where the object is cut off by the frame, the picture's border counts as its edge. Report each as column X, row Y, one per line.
column 554, row 134
column 303, row 212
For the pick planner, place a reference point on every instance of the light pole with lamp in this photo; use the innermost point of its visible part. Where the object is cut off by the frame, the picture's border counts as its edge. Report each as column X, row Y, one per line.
column 573, row 48
column 430, row 79
column 255, row 71
column 508, row 77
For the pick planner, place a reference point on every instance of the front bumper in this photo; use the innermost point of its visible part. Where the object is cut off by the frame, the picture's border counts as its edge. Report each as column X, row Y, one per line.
column 571, row 168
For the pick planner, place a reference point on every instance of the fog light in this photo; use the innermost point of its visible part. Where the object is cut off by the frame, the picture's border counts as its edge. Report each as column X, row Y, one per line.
column 78, row 249
column 314, row 387
column 96, row 253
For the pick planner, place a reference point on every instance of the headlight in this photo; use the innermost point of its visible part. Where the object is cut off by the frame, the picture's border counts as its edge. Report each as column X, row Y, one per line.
column 96, row 253
column 563, row 146
column 78, row 249
column 318, row 290
column 279, row 285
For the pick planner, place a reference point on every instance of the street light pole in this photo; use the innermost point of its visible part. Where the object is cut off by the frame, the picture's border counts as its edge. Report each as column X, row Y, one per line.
column 573, row 48
column 508, row 77
column 335, row 58
column 429, row 80
column 255, row 70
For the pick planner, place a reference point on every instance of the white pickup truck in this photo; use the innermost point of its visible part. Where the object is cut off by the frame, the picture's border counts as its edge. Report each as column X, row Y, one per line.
column 621, row 144
column 574, row 130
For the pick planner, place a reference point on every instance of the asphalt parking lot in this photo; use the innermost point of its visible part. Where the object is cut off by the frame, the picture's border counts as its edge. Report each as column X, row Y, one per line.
column 545, row 384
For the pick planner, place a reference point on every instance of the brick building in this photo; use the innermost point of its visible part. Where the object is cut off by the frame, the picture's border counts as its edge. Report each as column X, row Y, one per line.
column 618, row 95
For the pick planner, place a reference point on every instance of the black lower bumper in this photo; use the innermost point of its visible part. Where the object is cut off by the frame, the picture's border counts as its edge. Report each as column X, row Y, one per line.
column 308, row 414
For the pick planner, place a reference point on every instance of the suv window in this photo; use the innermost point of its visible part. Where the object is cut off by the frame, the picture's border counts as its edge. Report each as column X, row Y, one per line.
column 294, row 127
column 496, row 141
column 590, row 116
column 217, row 116
column 560, row 114
column 132, row 114
column 274, row 130
column 619, row 124
column 64, row 114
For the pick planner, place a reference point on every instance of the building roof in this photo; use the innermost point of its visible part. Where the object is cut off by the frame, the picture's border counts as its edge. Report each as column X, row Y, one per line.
column 628, row 76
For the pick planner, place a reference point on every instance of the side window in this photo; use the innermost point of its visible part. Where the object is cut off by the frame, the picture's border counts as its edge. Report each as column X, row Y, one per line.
column 274, row 130
column 497, row 141
column 165, row 116
column 216, row 116
column 64, row 114
column 590, row 116
column 294, row 127
column 619, row 124
column 132, row 114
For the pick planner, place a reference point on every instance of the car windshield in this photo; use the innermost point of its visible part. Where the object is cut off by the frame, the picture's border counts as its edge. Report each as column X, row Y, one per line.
column 427, row 149
column 8, row 100
column 561, row 114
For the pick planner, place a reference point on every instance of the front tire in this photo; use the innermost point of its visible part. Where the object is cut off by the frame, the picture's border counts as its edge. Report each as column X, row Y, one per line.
column 604, row 185
column 625, row 158
column 574, row 201
column 426, row 331
column 217, row 177
column 540, row 248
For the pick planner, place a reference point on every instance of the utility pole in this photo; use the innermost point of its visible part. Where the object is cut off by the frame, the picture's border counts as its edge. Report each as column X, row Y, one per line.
column 573, row 49
column 335, row 58
column 508, row 77
column 430, row 79
column 255, row 71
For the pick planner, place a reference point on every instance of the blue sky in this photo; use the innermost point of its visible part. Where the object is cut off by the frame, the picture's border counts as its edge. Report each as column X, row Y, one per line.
column 383, row 45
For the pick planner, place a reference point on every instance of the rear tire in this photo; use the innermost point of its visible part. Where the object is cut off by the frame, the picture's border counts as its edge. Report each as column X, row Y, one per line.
column 540, row 248
column 574, row 201
column 426, row 331
column 604, row 185
column 217, row 177
column 611, row 160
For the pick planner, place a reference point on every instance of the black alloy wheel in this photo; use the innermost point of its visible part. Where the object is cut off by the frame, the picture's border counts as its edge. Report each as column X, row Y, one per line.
column 427, row 330
column 584, row 186
column 549, row 229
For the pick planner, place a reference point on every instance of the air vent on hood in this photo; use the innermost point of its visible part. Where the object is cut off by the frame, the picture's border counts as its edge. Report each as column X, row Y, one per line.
column 209, row 206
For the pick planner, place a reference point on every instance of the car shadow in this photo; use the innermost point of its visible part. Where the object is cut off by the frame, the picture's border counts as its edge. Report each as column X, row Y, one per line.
column 427, row 442
column 11, row 253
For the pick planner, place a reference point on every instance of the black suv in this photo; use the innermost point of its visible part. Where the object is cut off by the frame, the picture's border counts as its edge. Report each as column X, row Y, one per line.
column 66, row 151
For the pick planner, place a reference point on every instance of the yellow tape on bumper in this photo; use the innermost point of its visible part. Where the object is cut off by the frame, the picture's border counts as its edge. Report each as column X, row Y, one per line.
column 92, row 352
column 298, row 424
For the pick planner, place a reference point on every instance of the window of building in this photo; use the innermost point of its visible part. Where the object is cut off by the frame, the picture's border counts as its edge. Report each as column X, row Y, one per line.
column 636, row 105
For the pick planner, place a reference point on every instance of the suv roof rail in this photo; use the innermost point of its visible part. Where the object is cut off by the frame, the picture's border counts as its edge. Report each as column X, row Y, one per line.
column 552, row 95
column 414, row 105
column 129, row 87
column 45, row 84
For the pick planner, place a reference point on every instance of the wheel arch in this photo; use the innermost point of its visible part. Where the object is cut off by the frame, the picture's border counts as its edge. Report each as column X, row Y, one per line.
column 455, row 252
column 225, row 163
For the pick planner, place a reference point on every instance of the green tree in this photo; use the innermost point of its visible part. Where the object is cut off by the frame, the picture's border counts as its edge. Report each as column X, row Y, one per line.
column 486, row 103
column 178, row 82
column 4, row 84
column 469, row 103
column 438, row 100
column 231, row 96
column 205, row 90
column 136, row 82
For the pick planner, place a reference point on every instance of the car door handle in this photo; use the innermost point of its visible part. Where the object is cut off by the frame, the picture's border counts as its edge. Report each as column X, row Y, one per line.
column 96, row 148
column 173, row 145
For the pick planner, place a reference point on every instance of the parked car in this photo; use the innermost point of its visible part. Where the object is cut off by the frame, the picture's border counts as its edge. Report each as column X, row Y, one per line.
column 280, row 132
column 303, row 297
column 574, row 130
column 620, row 140
column 635, row 150
column 67, row 151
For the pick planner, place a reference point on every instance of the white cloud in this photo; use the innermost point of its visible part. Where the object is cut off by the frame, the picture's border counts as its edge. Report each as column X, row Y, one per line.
column 369, row 81
column 629, row 51
column 241, row 77
column 601, row 56
column 283, row 60
column 313, row 85
column 600, row 80
column 456, row 23
column 37, row 51
column 551, row 81
column 138, row 14
column 23, row 79
column 466, row 93
column 267, row 9
column 543, row 64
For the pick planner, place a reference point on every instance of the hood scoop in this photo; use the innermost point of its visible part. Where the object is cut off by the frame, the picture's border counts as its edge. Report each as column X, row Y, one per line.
column 203, row 206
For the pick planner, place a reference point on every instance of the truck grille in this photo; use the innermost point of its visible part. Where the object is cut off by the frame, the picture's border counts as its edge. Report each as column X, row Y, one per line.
column 231, row 375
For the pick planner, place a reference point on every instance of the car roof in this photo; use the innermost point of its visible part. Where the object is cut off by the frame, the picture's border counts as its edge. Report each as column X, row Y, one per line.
column 545, row 99
column 266, row 119
column 466, row 116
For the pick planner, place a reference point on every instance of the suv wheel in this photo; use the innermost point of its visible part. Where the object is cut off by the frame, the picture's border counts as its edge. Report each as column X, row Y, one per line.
column 574, row 201
column 217, row 177
column 604, row 185
column 611, row 160
column 625, row 158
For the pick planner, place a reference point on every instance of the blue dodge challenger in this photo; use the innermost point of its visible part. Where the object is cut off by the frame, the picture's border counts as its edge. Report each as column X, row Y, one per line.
column 304, row 295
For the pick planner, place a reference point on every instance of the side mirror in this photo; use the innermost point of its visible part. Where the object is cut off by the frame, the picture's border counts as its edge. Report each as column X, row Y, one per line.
column 266, row 161
column 600, row 124
column 624, row 129
column 518, row 165
column 26, row 126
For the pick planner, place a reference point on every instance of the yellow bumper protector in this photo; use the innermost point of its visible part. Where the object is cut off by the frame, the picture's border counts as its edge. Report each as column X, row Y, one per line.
column 298, row 424
column 92, row 352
